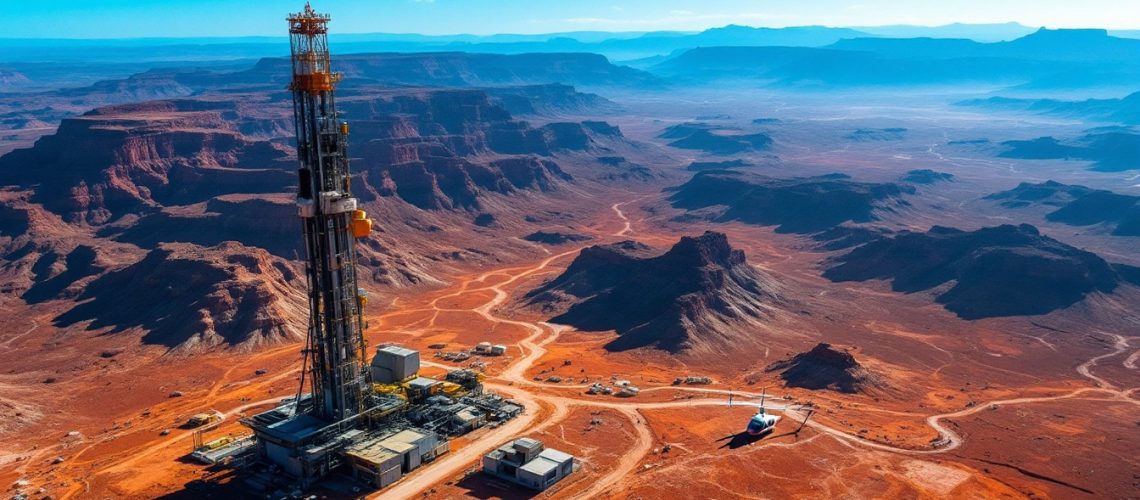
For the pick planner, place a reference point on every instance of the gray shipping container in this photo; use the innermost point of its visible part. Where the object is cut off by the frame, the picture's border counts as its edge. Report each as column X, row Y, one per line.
column 394, row 364
column 390, row 476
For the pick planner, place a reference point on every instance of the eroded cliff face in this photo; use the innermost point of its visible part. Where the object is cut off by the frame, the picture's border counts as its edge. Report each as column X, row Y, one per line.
column 99, row 167
column 188, row 296
column 185, row 189
column 444, row 149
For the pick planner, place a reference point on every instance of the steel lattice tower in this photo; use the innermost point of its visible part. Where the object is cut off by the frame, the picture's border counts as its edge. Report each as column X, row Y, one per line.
column 335, row 342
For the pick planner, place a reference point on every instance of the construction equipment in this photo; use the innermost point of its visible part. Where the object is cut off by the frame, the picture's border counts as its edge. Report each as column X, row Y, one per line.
column 201, row 419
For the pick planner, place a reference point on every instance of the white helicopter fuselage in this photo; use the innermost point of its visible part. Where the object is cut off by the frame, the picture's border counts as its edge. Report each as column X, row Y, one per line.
column 761, row 423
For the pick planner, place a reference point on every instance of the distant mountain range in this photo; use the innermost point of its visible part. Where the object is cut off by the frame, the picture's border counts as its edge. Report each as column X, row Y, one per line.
column 1125, row 110
column 1052, row 59
column 615, row 45
column 798, row 56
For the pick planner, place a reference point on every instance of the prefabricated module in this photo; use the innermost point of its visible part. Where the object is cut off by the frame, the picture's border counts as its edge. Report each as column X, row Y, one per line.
column 344, row 411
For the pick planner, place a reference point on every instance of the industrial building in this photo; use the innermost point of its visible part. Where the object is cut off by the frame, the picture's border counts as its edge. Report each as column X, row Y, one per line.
column 408, row 426
column 381, row 461
column 527, row 462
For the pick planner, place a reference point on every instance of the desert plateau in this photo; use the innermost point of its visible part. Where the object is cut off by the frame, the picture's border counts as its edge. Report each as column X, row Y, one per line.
column 919, row 247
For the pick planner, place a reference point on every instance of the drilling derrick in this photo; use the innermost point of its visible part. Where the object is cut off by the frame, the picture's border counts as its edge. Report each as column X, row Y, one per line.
column 330, row 218
column 306, row 435
column 378, row 419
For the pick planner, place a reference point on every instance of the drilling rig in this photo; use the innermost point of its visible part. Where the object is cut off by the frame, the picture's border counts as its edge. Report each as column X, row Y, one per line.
column 331, row 222
column 378, row 419
column 303, row 436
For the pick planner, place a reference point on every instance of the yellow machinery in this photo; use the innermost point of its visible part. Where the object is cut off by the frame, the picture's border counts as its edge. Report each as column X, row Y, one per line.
column 452, row 389
column 201, row 419
column 397, row 390
column 361, row 297
column 361, row 224
column 217, row 443
column 403, row 390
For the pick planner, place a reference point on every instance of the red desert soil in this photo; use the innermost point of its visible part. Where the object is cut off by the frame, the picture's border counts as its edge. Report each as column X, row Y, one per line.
column 875, row 444
column 1064, row 392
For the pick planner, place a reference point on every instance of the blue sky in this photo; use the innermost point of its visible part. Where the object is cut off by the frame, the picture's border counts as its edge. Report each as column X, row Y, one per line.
column 196, row 18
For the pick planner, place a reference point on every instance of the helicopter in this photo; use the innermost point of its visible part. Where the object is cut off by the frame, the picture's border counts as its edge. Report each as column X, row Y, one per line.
column 761, row 423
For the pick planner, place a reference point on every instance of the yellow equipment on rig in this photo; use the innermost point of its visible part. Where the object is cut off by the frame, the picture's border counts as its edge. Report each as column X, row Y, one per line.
column 361, row 224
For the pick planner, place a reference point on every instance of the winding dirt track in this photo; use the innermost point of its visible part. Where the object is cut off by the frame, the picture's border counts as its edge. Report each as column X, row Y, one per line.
column 8, row 343
column 513, row 381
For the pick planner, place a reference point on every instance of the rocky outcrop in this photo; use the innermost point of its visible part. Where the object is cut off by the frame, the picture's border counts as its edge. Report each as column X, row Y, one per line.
column 715, row 139
column 463, row 69
column 619, row 169
column 926, row 176
column 455, row 183
column 1048, row 193
column 14, row 221
column 551, row 99
column 1125, row 110
column 12, row 79
column 1113, row 150
column 1102, row 207
column 686, row 129
column 796, row 205
column 994, row 272
column 555, row 238
column 723, row 143
column 135, row 88
column 847, row 236
column 1077, row 205
column 696, row 296
column 825, row 367
column 430, row 148
column 701, row 166
column 188, row 297
column 268, row 222
column 55, row 274
column 877, row 134
column 98, row 167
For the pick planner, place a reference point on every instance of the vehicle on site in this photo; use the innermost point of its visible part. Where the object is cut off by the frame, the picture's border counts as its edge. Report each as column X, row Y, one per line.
column 761, row 423
column 201, row 419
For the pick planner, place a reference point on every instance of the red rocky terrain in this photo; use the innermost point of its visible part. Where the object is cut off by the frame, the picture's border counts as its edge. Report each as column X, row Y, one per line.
column 161, row 190
column 693, row 297
column 188, row 296
column 997, row 271
column 795, row 205
column 108, row 163
column 826, row 367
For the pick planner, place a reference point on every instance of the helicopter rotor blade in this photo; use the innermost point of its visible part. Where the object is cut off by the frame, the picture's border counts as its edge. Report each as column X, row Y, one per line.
column 804, row 422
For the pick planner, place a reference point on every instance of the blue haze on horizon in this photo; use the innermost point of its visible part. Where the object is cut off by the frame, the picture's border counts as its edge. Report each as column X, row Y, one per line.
column 226, row 18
